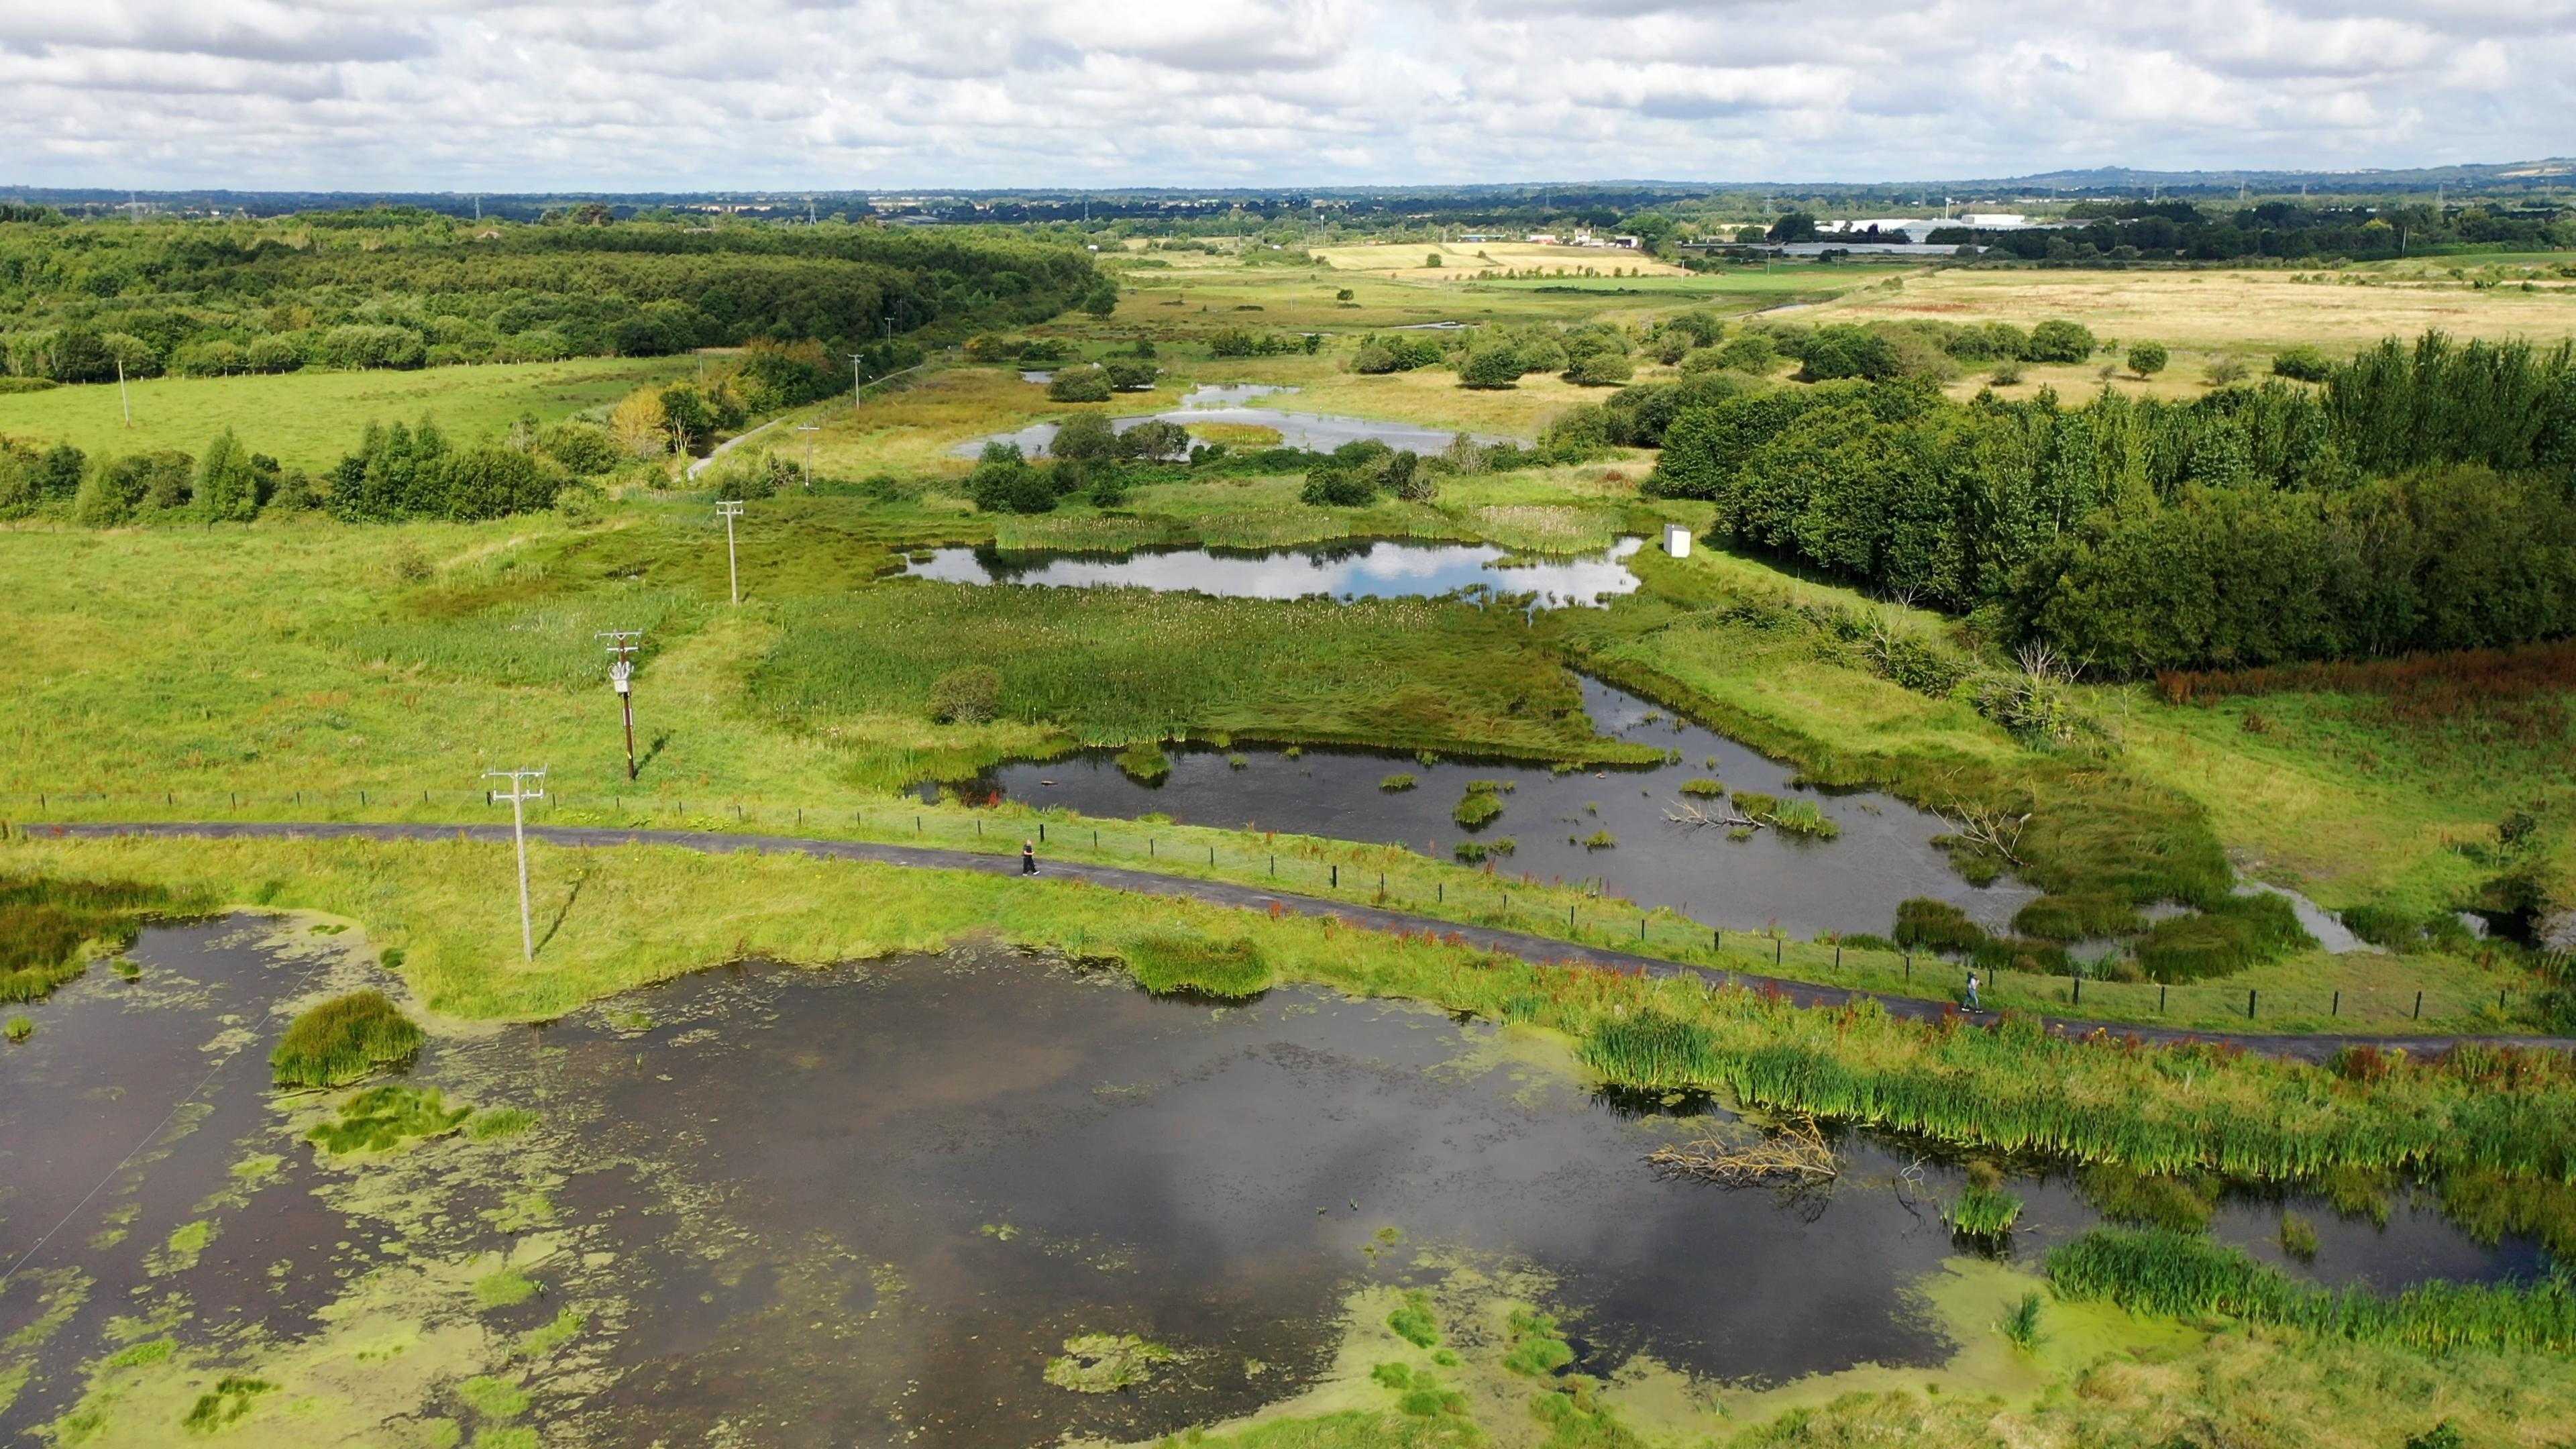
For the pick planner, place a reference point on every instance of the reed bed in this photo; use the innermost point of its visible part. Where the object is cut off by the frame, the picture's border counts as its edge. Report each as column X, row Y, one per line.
column 2181, row 1275
column 46, row 923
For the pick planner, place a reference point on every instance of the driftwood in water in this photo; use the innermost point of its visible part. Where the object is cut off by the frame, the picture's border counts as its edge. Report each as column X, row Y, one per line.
column 1794, row 1156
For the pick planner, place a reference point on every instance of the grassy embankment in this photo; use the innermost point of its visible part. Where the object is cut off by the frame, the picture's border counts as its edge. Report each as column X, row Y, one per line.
column 309, row 419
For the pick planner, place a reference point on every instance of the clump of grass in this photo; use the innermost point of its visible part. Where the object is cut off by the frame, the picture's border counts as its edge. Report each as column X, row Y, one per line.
column 2020, row 1322
column 1238, row 761
column 2298, row 1236
column 18, row 1029
column 1419, row 1392
column 1755, row 804
column 1398, row 781
column 1470, row 851
column 343, row 1040
column 2182, row 1275
column 381, row 1119
column 1104, row 1363
column 1414, row 1322
column 1170, row 964
column 493, row 1397
column 1982, row 1213
column 1704, row 789
column 2149, row 1199
column 1600, row 840
column 1801, row 817
column 503, row 1288
column 2234, row 932
column 1145, row 762
column 1538, row 1347
column 1478, row 807
column 1924, row 924
column 1650, row 1049
column 494, row 1123
column 2088, row 917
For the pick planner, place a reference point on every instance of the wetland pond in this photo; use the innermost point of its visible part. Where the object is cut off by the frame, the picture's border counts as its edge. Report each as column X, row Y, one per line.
column 1235, row 403
column 870, row 1203
column 1353, row 569
column 1853, row 882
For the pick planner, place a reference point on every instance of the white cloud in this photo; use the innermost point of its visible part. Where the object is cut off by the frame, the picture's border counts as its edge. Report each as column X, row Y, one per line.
column 683, row 94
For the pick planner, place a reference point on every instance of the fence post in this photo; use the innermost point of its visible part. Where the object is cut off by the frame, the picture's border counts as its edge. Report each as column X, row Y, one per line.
column 1337, row 875
column 1641, row 928
column 1440, row 892
column 2419, row 1006
column 1149, row 845
column 1274, row 861
column 2079, row 989
column 1716, row 939
column 2161, row 988
column 916, row 825
column 1211, row 855
column 2500, row 991
column 1778, row 945
column 1041, row 832
column 2337, row 1008
column 1838, row 955
column 2249, row 1004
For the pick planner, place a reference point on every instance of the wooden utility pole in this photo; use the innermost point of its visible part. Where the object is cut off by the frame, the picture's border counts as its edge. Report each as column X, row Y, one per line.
column 518, row 796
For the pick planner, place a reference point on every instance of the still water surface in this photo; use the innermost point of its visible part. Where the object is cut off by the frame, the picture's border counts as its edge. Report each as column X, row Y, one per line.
column 1369, row 568
column 869, row 1202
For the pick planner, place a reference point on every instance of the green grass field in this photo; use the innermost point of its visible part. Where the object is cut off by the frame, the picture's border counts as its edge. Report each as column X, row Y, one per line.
column 308, row 419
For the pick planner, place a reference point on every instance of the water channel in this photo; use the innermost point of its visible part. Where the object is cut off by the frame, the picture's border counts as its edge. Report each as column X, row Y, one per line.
column 868, row 1203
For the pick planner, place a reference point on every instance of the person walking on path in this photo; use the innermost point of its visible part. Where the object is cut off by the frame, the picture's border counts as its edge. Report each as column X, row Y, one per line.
column 1972, row 990
column 1029, row 866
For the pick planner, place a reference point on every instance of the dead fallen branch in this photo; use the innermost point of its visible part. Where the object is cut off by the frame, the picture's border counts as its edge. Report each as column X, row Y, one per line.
column 1794, row 1156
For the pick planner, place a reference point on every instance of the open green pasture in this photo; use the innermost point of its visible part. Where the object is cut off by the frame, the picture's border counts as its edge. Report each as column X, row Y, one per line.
column 308, row 419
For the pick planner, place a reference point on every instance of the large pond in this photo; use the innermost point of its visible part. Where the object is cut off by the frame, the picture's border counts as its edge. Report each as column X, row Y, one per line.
column 869, row 1203
column 1235, row 403
column 1852, row 882
column 1380, row 568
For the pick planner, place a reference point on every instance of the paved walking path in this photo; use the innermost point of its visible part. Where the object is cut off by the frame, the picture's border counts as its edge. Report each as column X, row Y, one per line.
column 1225, row 893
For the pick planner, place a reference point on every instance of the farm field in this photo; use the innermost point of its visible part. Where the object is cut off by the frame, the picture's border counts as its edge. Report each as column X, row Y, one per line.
column 309, row 419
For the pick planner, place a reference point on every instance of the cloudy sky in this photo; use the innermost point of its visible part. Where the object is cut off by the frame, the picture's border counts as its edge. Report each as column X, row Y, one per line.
column 691, row 94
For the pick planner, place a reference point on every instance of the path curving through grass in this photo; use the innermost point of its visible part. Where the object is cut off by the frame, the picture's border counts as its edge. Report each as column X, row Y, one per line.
column 1527, row 946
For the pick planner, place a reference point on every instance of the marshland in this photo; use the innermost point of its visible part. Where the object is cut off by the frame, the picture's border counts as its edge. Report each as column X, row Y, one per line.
column 294, row 1138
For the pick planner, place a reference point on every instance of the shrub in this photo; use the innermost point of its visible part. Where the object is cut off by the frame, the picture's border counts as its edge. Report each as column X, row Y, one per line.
column 1601, row 369
column 343, row 1040
column 2058, row 340
column 972, row 695
column 1080, row 385
column 1003, row 482
column 1491, row 367
column 2302, row 364
column 1171, row 964
column 2146, row 359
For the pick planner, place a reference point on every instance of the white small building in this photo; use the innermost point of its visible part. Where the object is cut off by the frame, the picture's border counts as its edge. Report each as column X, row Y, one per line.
column 1676, row 540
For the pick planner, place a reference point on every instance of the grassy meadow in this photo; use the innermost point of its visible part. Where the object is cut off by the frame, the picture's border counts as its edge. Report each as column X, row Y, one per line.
column 309, row 419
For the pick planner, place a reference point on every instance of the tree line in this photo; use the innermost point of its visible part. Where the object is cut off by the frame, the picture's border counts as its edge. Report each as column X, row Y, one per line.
column 80, row 301
column 2424, row 497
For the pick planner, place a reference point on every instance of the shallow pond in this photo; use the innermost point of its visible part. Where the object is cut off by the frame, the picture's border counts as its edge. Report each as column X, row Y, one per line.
column 1379, row 568
column 1853, row 882
column 1225, row 403
column 868, row 1203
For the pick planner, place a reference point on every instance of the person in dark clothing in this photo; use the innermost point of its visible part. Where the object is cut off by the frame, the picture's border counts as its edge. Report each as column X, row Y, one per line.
column 1028, row 857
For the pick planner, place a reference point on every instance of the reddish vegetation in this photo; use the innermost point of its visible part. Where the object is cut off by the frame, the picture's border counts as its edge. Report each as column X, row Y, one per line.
column 2522, row 689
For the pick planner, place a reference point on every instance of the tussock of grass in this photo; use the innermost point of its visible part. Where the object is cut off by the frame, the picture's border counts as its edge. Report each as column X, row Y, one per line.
column 2233, row 933
column 343, row 1040
column 1170, row 964
column 1982, row 1212
column 1414, row 1322
column 2160, row 1271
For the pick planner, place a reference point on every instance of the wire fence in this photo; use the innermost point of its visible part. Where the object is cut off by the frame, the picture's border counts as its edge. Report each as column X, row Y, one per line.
column 1397, row 878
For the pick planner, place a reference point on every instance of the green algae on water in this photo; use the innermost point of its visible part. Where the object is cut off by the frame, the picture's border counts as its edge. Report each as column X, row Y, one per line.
column 1102, row 1363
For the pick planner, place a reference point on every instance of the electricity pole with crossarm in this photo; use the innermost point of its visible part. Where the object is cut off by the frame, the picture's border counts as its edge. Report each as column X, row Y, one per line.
column 621, row 677
column 518, row 796
column 731, row 511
